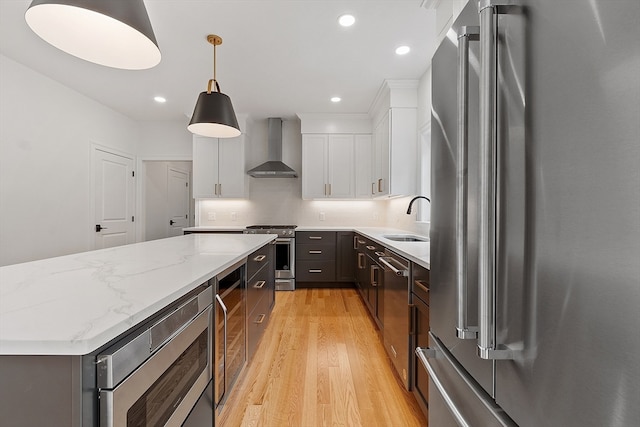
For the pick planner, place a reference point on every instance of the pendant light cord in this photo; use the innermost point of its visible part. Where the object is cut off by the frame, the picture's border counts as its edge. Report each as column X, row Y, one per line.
column 217, row 86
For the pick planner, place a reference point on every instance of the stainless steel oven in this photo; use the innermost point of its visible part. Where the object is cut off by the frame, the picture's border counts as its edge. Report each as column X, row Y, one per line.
column 285, row 253
column 159, row 375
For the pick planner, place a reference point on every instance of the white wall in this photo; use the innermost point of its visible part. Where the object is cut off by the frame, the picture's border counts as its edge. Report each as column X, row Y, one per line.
column 166, row 140
column 46, row 132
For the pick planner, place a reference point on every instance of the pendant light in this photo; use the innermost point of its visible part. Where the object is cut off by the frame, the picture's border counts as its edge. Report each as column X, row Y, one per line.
column 213, row 115
column 116, row 34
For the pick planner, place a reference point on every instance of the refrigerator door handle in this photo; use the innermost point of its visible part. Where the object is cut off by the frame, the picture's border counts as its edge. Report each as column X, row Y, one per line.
column 488, row 348
column 463, row 329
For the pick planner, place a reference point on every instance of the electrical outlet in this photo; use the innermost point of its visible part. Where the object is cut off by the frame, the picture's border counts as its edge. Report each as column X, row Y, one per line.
column 234, row 216
column 321, row 216
column 211, row 216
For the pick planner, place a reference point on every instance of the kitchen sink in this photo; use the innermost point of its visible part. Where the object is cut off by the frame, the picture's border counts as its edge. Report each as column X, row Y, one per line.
column 405, row 238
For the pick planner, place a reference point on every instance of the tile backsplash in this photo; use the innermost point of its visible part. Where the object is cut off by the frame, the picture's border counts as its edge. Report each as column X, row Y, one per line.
column 278, row 201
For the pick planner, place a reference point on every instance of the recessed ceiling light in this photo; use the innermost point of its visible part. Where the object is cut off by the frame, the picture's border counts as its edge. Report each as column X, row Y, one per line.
column 160, row 99
column 336, row 99
column 346, row 20
column 403, row 50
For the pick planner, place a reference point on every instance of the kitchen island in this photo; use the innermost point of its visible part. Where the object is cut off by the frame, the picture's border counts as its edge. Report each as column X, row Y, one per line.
column 55, row 311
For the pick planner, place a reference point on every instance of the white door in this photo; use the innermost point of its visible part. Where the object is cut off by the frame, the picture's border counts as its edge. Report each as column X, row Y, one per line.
column 178, row 201
column 113, row 194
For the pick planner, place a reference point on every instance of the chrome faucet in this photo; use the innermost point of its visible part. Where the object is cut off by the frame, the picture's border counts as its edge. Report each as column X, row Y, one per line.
column 413, row 200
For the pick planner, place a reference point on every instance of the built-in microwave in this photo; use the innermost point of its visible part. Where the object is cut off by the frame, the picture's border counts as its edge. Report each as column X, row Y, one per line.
column 157, row 376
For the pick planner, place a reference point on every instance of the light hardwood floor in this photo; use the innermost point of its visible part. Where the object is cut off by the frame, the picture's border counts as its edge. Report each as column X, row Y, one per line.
column 320, row 363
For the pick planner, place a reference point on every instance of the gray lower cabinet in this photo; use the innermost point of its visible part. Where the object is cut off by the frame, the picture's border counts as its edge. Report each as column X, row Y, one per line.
column 369, row 276
column 325, row 257
column 260, row 295
column 346, row 250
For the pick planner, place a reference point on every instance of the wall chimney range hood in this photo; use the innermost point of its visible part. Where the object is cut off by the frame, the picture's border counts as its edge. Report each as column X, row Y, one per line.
column 274, row 168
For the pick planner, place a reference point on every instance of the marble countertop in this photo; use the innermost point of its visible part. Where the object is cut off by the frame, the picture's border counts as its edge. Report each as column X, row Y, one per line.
column 72, row 305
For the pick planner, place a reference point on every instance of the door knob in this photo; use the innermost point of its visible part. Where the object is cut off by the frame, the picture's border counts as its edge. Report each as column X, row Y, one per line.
column 100, row 228
column 171, row 222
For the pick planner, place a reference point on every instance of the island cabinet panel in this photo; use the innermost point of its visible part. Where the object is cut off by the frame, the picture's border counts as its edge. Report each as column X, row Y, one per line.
column 260, row 295
column 41, row 391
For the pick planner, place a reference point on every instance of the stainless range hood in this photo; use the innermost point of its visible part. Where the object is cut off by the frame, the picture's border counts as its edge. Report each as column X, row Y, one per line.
column 274, row 168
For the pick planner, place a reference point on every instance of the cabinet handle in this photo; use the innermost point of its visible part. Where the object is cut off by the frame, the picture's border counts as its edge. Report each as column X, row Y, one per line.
column 259, row 284
column 325, row 189
column 371, row 248
column 260, row 319
column 315, row 252
column 360, row 260
column 315, row 271
column 373, row 188
column 329, row 189
column 373, row 275
column 422, row 285
column 219, row 189
column 224, row 342
column 412, row 320
column 380, row 185
column 315, row 237
column 260, row 258
column 355, row 242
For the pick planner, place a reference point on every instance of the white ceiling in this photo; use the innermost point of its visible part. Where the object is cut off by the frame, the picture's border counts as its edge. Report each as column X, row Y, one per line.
column 278, row 57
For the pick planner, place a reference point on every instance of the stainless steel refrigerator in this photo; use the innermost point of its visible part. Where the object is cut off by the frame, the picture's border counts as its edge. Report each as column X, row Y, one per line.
column 535, row 232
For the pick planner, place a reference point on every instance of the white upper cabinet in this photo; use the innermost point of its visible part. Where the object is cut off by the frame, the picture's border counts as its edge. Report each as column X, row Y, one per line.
column 218, row 168
column 336, row 156
column 395, row 139
column 327, row 167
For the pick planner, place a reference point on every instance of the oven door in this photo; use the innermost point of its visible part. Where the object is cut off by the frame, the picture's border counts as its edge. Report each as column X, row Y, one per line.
column 285, row 258
column 164, row 389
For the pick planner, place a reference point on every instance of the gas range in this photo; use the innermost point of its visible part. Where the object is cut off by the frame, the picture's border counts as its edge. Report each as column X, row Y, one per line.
column 280, row 230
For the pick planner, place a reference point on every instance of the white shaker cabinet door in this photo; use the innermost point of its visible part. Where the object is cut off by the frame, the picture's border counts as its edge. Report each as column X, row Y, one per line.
column 340, row 170
column 205, row 167
column 314, row 183
column 232, row 177
column 382, row 141
column 363, row 164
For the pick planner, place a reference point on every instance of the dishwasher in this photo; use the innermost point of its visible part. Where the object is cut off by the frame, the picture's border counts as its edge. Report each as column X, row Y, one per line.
column 396, row 312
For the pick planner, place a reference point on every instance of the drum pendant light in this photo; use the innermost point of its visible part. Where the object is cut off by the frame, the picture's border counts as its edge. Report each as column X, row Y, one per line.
column 213, row 115
column 116, row 34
